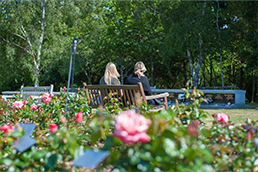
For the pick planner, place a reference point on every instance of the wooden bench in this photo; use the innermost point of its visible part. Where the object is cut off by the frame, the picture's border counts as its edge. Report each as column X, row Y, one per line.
column 125, row 93
column 35, row 92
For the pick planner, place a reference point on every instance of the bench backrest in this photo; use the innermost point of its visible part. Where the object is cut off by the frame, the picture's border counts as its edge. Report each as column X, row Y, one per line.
column 35, row 91
column 219, row 88
column 98, row 93
column 75, row 90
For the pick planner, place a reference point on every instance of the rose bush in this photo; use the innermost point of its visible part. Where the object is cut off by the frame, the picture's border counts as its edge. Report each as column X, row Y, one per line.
column 171, row 140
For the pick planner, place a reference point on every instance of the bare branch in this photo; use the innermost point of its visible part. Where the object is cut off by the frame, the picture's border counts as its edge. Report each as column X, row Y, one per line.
column 18, row 46
column 17, row 35
column 34, row 15
column 28, row 40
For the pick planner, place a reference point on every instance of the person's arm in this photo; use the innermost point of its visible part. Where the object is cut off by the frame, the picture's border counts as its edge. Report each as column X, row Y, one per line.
column 146, row 85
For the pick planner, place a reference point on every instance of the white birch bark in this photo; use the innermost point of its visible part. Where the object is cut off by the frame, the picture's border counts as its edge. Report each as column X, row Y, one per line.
column 220, row 49
column 43, row 25
column 196, row 72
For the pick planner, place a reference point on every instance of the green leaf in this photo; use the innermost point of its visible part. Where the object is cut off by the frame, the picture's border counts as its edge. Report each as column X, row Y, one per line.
column 146, row 156
column 108, row 143
column 135, row 159
column 95, row 136
column 51, row 161
column 39, row 154
column 23, row 164
column 17, row 134
column 26, row 156
column 170, row 147
column 13, row 169
column 94, row 123
column 78, row 152
column 6, row 161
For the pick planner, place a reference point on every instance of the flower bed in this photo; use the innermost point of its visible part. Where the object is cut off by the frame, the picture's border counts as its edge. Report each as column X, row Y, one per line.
column 137, row 140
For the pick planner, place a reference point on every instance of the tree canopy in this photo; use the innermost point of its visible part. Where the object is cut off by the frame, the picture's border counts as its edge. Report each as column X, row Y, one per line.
column 182, row 43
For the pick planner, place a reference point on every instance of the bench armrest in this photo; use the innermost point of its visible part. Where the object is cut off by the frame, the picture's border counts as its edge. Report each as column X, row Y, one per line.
column 157, row 96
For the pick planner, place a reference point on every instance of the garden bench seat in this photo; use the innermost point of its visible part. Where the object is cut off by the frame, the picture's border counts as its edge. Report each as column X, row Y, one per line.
column 124, row 93
column 35, row 92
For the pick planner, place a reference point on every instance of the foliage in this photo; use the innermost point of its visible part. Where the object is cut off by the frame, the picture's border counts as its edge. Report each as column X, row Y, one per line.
column 159, row 33
column 177, row 140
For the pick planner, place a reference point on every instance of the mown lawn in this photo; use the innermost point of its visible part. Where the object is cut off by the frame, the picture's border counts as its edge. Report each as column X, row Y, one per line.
column 236, row 115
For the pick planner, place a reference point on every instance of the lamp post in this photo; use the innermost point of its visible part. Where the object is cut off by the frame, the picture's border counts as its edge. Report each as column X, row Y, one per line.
column 75, row 41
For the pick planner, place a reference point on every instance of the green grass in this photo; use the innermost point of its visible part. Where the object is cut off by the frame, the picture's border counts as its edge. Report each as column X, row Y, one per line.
column 236, row 115
column 253, row 105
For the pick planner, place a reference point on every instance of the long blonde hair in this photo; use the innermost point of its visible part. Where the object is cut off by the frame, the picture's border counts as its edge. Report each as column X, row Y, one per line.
column 139, row 69
column 110, row 72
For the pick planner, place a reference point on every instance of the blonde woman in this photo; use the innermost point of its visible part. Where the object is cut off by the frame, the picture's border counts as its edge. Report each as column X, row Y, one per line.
column 138, row 76
column 111, row 75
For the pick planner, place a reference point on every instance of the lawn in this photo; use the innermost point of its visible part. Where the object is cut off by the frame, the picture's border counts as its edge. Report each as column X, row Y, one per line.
column 236, row 115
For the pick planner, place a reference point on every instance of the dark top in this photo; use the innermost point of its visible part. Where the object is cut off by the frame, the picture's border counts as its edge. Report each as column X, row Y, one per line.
column 114, row 81
column 133, row 79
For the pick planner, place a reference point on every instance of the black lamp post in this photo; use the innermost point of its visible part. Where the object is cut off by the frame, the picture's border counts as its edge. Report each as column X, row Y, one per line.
column 75, row 41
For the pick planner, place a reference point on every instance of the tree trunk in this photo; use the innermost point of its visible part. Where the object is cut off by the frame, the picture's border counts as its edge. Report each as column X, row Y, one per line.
column 199, row 63
column 152, row 71
column 242, row 75
column 121, row 71
column 211, row 72
column 186, row 81
column 88, row 77
column 190, row 62
column 219, row 42
column 196, row 73
column 253, row 87
column 256, row 96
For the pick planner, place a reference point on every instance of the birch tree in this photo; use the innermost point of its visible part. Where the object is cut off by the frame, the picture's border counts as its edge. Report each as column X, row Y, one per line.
column 32, row 27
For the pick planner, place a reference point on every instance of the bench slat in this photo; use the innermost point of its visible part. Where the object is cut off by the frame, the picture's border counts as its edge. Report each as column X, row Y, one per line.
column 124, row 93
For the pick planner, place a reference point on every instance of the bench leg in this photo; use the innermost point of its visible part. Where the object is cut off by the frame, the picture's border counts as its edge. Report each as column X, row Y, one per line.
column 165, row 102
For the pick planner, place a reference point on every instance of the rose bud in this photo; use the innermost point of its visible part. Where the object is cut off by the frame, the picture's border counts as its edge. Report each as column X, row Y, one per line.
column 79, row 117
column 53, row 128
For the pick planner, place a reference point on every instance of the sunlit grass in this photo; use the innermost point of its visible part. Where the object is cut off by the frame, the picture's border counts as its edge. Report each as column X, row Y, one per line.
column 236, row 115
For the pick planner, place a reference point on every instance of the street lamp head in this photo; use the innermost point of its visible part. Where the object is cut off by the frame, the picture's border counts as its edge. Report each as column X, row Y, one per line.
column 75, row 40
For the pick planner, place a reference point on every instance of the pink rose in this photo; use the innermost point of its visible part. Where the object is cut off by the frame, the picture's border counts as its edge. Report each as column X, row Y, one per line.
column 33, row 106
column 249, row 136
column 18, row 105
column 51, row 95
column 222, row 117
column 79, row 117
column 131, row 127
column 11, row 127
column 25, row 102
column 193, row 128
column 46, row 98
column 53, row 128
column 5, row 128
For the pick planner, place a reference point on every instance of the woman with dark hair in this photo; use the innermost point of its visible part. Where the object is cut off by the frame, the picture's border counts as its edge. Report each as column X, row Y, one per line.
column 138, row 76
